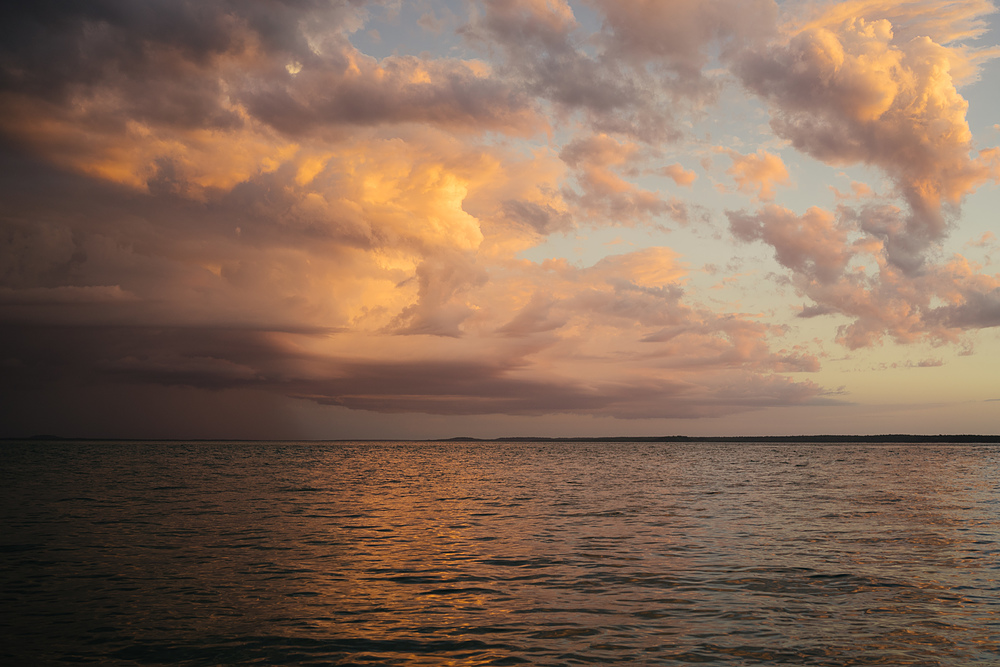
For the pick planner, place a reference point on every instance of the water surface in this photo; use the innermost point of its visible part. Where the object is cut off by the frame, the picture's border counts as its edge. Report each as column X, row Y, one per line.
column 499, row 553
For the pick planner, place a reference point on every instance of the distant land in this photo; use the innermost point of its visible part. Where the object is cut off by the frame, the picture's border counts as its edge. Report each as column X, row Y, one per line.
column 818, row 439
column 886, row 438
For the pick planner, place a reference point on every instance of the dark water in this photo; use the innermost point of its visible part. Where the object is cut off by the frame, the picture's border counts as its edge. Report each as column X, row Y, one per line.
column 500, row 554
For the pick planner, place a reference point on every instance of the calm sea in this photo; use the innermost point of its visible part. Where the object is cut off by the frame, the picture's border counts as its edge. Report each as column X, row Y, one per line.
column 499, row 554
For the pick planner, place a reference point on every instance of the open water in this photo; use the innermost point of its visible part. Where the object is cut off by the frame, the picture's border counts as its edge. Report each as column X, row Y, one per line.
column 499, row 554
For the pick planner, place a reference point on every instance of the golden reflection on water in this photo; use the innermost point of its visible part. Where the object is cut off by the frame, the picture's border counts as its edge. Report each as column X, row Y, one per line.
column 469, row 550
column 474, row 553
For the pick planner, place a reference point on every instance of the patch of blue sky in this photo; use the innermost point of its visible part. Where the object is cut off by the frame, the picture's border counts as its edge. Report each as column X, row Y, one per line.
column 413, row 28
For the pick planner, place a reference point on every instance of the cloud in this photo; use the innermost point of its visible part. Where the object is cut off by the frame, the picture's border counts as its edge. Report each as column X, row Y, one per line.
column 679, row 174
column 845, row 88
column 635, row 75
column 987, row 240
column 537, row 316
column 876, row 83
column 858, row 191
column 222, row 91
column 949, row 22
column 675, row 36
column 855, row 277
column 217, row 360
column 431, row 22
column 540, row 53
column 971, row 298
column 392, row 301
column 377, row 272
column 542, row 217
column 605, row 196
column 63, row 295
column 758, row 173
column 441, row 307
column 233, row 197
column 812, row 245
column 359, row 90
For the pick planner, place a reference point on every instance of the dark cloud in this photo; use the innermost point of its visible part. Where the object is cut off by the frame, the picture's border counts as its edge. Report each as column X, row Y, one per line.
column 229, row 199
column 543, row 218
column 645, row 66
column 977, row 308
column 396, row 90
column 216, row 64
column 674, row 36
column 542, row 54
column 455, row 388
column 233, row 359
column 76, row 250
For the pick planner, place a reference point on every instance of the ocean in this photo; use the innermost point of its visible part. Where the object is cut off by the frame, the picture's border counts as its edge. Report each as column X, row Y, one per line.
column 484, row 553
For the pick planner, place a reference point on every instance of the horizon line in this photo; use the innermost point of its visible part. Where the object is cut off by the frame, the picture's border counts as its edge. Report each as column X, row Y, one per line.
column 820, row 438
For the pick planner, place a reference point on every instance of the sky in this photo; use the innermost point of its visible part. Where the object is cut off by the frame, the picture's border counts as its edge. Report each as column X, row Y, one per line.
column 326, row 219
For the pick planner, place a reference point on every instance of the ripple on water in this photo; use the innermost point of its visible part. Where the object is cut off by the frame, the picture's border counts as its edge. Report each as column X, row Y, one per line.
column 492, row 554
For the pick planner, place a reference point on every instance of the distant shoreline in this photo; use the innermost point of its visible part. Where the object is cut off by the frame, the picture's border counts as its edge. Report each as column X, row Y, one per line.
column 890, row 438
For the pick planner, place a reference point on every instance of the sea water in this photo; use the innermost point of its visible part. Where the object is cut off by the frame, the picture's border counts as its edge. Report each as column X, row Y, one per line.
column 198, row 553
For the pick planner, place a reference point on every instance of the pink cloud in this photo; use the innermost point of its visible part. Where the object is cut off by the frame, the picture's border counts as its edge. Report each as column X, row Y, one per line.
column 938, row 305
column 219, row 94
column 679, row 174
column 236, row 198
column 604, row 195
column 846, row 89
column 676, row 35
column 758, row 173
column 812, row 245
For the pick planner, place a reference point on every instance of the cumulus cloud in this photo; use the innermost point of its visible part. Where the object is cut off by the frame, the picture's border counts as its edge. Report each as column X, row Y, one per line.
column 375, row 274
column 674, row 36
column 644, row 66
column 875, row 83
column 855, row 277
column 679, row 174
column 757, row 173
column 440, row 308
column 948, row 22
column 559, row 339
column 234, row 197
column 813, row 245
column 604, row 195
column 221, row 91
column 846, row 88
column 537, row 40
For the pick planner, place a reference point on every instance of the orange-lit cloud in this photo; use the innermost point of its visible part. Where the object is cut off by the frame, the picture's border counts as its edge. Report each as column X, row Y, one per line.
column 242, row 197
column 604, row 196
column 812, row 245
column 679, row 174
column 938, row 305
column 758, row 173
column 845, row 88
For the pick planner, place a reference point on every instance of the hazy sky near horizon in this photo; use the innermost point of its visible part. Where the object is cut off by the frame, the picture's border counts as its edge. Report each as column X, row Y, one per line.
column 389, row 219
